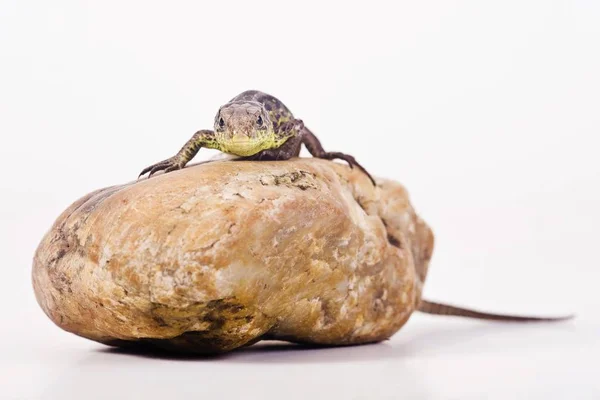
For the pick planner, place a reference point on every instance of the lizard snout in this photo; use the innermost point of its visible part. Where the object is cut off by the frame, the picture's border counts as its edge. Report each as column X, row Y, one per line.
column 239, row 136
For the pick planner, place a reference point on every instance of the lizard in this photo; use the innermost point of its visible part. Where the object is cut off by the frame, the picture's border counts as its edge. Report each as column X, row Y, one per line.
column 254, row 126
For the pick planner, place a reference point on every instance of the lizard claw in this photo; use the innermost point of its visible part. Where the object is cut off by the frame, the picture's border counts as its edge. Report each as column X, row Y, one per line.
column 173, row 168
column 351, row 162
column 168, row 165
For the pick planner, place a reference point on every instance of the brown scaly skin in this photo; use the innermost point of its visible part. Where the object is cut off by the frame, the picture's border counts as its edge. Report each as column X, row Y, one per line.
column 254, row 126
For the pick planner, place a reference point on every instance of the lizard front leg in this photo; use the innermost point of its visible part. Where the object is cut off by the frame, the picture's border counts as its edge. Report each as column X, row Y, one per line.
column 204, row 138
column 315, row 148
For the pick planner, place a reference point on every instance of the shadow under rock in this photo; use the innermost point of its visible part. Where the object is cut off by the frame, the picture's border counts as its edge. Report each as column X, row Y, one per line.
column 269, row 351
column 417, row 340
column 126, row 372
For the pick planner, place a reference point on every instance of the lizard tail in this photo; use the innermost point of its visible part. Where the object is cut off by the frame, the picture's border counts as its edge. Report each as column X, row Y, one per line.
column 430, row 307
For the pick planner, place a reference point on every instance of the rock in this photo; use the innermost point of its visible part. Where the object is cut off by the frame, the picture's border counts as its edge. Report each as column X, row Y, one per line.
column 223, row 254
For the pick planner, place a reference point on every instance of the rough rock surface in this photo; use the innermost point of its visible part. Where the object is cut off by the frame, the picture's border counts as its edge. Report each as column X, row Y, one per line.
column 223, row 254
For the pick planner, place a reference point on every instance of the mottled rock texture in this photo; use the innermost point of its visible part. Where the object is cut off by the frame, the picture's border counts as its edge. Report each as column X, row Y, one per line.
column 223, row 254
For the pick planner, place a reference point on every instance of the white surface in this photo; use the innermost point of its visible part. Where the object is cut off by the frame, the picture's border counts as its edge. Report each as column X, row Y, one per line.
column 488, row 112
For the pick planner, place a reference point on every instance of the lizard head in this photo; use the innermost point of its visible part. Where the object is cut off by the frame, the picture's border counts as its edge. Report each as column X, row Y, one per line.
column 244, row 129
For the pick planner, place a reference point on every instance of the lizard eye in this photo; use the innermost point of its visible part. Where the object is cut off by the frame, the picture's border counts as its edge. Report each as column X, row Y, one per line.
column 221, row 123
column 259, row 121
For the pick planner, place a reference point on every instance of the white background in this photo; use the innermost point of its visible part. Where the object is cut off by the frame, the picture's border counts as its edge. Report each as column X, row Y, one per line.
column 487, row 111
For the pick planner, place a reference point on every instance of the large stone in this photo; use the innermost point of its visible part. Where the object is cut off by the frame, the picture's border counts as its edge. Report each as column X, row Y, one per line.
column 223, row 254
